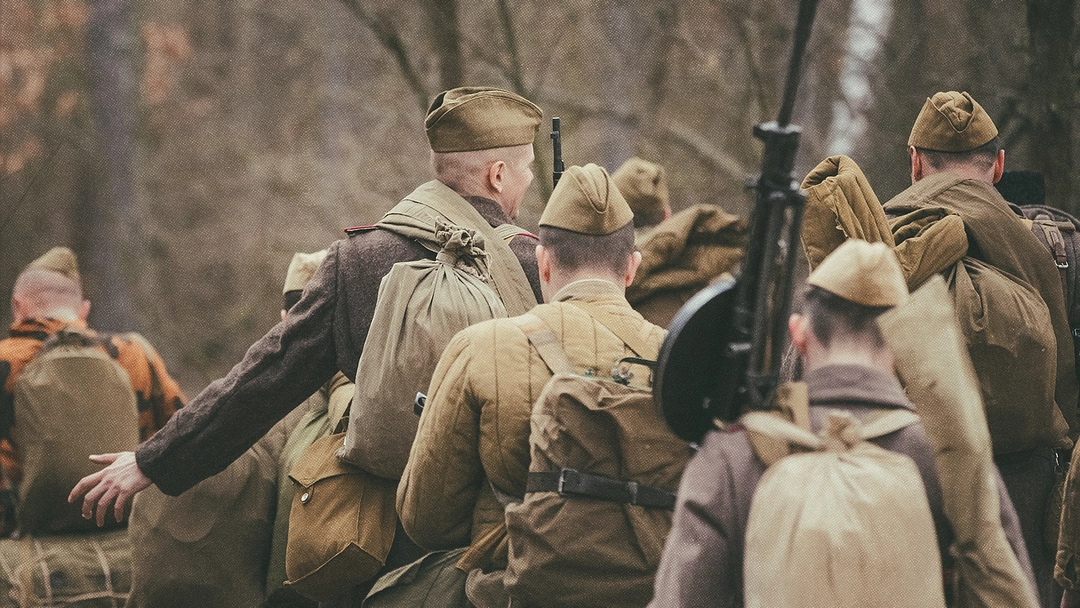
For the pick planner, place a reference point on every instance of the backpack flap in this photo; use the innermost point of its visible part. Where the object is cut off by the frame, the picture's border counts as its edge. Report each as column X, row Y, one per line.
column 341, row 524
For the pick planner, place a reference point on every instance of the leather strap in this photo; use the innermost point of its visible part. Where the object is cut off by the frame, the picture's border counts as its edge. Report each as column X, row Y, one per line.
column 573, row 483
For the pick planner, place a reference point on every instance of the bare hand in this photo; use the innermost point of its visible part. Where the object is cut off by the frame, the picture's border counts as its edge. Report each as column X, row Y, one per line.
column 112, row 486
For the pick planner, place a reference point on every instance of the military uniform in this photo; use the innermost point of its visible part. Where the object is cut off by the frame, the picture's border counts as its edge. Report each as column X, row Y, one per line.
column 472, row 451
column 156, row 403
column 996, row 236
column 703, row 558
column 324, row 333
column 476, row 426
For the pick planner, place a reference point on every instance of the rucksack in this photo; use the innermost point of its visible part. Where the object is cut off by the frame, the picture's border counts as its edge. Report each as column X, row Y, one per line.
column 420, row 306
column 601, row 487
column 1057, row 230
column 72, row 400
column 79, row 570
column 846, row 524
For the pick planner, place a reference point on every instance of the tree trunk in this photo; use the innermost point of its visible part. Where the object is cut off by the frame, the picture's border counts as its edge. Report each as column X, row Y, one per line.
column 113, row 222
column 1052, row 84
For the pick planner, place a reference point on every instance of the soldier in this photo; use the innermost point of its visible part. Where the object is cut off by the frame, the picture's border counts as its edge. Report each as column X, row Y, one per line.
column 48, row 297
column 644, row 186
column 680, row 253
column 956, row 157
column 847, row 367
column 473, row 442
column 481, row 143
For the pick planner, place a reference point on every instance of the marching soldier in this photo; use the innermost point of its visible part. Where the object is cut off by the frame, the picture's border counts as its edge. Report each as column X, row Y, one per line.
column 473, row 442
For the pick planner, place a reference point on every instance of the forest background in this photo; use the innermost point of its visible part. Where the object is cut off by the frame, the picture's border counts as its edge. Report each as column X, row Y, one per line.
column 186, row 149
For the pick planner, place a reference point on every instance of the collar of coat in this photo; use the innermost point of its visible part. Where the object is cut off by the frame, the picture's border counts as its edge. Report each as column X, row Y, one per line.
column 855, row 384
column 589, row 289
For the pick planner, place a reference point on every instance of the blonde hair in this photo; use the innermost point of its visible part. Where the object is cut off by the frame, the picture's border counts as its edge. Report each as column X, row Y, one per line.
column 465, row 172
column 47, row 294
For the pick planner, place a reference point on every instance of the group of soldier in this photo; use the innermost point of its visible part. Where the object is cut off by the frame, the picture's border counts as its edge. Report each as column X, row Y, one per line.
column 577, row 277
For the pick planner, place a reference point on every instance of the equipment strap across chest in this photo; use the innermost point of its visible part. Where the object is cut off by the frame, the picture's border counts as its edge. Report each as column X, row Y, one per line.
column 571, row 482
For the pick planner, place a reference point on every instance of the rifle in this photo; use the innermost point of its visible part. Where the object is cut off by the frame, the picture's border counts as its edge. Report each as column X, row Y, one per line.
column 723, row 350
column 557, row 166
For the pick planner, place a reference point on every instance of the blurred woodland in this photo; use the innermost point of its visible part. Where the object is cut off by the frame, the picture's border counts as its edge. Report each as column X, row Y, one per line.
column 186, row 149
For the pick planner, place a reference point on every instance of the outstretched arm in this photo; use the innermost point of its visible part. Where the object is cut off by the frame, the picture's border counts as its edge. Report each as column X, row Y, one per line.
column 112, row 486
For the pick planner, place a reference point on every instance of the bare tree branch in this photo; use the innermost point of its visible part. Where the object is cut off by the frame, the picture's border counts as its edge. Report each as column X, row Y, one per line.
column 517, row 79
column 388, row 37
column 446, row 36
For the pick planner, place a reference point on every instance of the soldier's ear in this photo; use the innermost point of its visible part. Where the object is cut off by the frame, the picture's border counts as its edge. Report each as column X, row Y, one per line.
column 631, row 268
column 916, row 164
column 496, row 174
column 543, row 261
column 798, row 330
column 999, row 166
column 84, row 310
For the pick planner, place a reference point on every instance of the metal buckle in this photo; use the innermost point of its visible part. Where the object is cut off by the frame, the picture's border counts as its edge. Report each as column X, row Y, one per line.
column 633, row 487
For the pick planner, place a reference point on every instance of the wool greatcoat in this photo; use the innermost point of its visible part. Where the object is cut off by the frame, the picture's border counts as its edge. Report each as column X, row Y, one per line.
column 474, row 433
column 995, row 235
column 322, row 334
column 703, row 557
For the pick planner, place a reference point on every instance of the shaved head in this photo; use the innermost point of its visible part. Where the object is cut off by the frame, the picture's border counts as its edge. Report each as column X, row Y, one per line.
column 40, row 293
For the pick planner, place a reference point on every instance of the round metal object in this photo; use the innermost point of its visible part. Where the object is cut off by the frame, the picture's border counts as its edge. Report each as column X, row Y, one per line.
column 691, row 359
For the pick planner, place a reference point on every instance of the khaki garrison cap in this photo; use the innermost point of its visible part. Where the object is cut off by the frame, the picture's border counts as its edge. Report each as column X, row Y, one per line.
column 586, row 201
column 644, row 185
column 60, row 260
column 301, row 269
column 952, row 122
column 863, row 273
column 480, row 118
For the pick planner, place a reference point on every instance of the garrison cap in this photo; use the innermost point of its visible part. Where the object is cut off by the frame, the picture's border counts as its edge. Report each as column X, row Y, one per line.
column 644, row 186
column 952, row 122
column 301, row 269
column 586, row 201
column 480, row 118
column 863, row 273
column 60, row 260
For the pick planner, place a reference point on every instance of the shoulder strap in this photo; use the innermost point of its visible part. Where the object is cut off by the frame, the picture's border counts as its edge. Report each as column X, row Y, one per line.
column 436, row 199
column 545, row 342
column 631, row 338
column 508, row 231
column 776, row 427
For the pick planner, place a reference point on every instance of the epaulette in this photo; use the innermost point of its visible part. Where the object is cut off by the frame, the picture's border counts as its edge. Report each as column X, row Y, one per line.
column 355, row 230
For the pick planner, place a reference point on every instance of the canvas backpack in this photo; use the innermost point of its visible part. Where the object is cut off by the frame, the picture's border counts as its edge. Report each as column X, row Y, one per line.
column 846, row 523
column 1057, row 230
column 78, row 570
column 420, row 306
column 72, row 400
column 601, row 487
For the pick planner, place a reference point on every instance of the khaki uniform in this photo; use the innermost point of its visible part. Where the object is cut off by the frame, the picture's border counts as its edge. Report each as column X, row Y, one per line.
column 703, row 558
column 474, row 433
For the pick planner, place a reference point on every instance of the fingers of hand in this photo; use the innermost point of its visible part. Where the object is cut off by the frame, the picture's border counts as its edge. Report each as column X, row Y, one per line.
column 104, row 458
column 104, row 503
column 84, row 484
